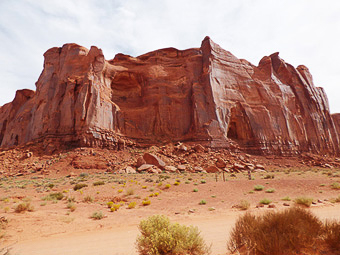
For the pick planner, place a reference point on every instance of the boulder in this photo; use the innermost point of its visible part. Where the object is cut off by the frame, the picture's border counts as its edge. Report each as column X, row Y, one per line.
column 144, row 167
column 170, row 169
column 130, row 170
column 198, row 148
column 140, row 161
column 212, row 169
column 181, row 167
column 220, row 163
column 238, row 166
column 153, row 160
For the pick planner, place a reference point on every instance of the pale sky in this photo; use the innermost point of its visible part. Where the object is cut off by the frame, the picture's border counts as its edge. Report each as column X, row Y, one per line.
column 303, row 31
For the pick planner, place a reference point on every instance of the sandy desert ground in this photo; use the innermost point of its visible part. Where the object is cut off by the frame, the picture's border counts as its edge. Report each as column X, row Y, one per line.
column 65, row 226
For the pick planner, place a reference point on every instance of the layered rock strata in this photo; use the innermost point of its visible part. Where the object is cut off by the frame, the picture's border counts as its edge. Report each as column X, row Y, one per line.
column 203, row 95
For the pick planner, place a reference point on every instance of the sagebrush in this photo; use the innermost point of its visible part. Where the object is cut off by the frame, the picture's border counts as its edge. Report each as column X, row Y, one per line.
column 159, row 237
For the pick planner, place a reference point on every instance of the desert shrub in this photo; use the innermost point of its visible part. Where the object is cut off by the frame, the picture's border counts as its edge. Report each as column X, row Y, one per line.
column 120, row 191
column 269, row 176
column 146, row 202
column 160, row 237
column 109, row 204
column 176, row 183
column 306, row 201
column 130, row 192
column 132, row 205
column 56, row 196
column 270, row 190
column 115, row 207
column 83, row 175
column 144, row 187
column 79, row 186
column 97, row 215
column 258, row 187
column 195, row 190
column 337, row 199
column 88, row 199
column 98, row 183
column 265, row 201
column 22, row 207
column 50, row 185
column 284, row 232
column 203, row 202
column 203, row 181
column 167, row 186
column 335, row 185
column 286, row 198
column 71, row 206
column 243, row 205
column 332, row 235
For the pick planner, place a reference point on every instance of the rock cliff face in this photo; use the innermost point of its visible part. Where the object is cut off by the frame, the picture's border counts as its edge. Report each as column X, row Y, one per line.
column 203, row 95
column 336, row 119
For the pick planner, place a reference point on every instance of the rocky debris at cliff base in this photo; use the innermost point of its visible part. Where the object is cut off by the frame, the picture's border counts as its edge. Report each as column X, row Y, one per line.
column 14, row 162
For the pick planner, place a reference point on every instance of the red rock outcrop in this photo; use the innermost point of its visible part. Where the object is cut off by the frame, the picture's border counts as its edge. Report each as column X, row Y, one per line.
column 336, row 119
column 203, row 95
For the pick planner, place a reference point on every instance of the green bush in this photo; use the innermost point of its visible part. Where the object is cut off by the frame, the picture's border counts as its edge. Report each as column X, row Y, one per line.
column 97, row 215
column 258, row 187
column 286, row 198
column 203, row 202
column 160, row 237
column 270, row 190
column 265, row 201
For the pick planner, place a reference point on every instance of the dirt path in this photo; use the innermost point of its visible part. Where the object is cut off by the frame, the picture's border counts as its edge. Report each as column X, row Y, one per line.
column 121, row 240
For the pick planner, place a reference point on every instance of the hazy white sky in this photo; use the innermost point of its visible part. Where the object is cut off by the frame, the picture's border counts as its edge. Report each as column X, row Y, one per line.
column 303, row 31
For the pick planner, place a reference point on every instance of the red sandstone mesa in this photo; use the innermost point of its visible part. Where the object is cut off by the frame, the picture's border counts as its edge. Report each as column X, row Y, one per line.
column 204, row 95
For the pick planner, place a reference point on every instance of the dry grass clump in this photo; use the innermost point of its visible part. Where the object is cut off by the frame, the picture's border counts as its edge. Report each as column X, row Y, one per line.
column 159, row 236
column 79, row 186
column 290, row 232
column 243, row 205
column 285, row 232
column 97, row 215
column 332, row 235
column 335, row 185
column 88, row 199
column 54, row 196
column 24, row 207
column 98, row 183
column 306, row 201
